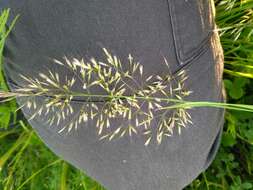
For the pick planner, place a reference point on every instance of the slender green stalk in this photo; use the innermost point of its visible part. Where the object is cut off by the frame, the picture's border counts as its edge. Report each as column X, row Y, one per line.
column 3, row 36
column 6, row 133
column 15, row 160
column 180, row 103
column 239, row 74
column 64, row 173
column 206, row 181
column 38, row 172
column 238, row 107
column 22, row 138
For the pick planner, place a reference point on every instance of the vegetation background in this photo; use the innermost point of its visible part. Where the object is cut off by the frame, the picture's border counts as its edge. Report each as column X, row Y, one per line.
column 27, row 164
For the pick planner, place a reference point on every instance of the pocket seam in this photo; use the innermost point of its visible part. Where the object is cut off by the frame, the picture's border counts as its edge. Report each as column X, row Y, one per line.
column 197, row 51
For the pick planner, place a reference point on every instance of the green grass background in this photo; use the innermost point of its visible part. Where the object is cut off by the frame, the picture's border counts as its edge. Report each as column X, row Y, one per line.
column 27, row 164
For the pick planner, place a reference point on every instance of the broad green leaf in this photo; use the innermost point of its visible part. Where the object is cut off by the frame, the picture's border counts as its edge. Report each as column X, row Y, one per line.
column 228, row 140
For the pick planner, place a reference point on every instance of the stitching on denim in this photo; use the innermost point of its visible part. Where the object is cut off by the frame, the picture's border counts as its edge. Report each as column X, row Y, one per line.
column 194, row 54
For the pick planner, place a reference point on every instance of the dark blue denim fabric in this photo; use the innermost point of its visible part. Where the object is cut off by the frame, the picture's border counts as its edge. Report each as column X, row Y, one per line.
column 183, row 31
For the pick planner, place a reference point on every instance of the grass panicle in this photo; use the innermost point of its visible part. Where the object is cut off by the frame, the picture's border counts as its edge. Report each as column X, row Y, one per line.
column 137, row 105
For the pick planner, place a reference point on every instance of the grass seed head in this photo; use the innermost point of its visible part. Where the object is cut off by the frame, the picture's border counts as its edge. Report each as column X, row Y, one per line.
column 137, row 111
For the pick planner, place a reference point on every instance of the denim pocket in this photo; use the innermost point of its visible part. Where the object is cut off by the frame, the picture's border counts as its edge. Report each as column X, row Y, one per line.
column 192, row 24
